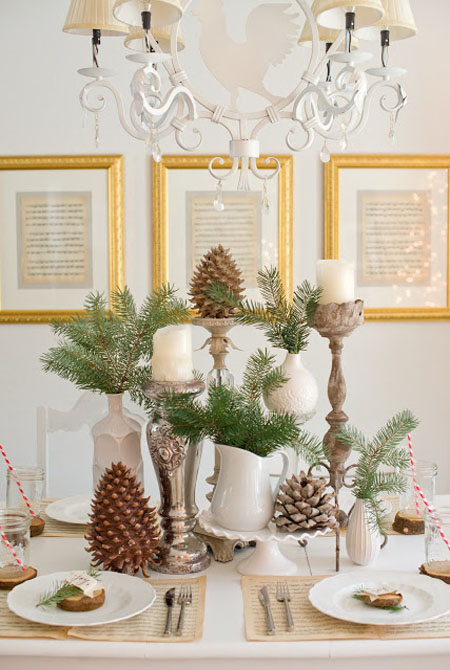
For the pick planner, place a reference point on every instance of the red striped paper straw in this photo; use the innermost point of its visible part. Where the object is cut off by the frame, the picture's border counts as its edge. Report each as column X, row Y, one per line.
column 413, row 468
column 430, row 510
column 11, row 548
column 11, row 469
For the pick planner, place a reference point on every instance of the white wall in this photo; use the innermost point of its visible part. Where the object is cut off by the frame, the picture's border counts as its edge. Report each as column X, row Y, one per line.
column 388, row 366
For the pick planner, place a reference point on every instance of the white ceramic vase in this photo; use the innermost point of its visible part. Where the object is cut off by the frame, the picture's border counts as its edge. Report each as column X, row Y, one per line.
column 299, row 394
column 243, row 499
column 363, row 542
column 117, row 438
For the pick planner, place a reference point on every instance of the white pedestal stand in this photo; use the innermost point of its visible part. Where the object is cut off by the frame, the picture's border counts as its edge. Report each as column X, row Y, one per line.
column 267, row 558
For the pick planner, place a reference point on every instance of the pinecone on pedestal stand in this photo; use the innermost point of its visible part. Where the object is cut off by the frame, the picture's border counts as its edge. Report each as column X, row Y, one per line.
column 303, row 503
column 217, row 265
column 123, row 532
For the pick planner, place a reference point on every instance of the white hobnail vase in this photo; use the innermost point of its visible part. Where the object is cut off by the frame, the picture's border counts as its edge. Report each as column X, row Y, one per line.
column 299, row 394
column 363, row 542
column 117, row 437
column 243, row 499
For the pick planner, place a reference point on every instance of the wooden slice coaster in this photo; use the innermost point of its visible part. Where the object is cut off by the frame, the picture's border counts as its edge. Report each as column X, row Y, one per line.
column 37, row 526
column 437, row 569
column 24, row 576
column 408, row 525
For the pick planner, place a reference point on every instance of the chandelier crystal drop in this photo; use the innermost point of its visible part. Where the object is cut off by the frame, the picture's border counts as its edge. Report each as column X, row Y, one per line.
column 331, row 99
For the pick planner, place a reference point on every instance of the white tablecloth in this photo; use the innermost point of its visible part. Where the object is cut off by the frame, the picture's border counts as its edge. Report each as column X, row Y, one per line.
column 224, row 644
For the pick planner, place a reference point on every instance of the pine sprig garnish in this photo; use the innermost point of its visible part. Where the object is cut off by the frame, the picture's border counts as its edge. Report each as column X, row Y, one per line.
column 109, row 351
column 60, row 592
column 285, row 323
column 383, row 450
column 392, row 608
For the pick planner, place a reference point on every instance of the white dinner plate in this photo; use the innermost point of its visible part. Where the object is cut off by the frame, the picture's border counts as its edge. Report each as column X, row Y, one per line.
column 425, row 598
column 125, row 596
column 70, row 510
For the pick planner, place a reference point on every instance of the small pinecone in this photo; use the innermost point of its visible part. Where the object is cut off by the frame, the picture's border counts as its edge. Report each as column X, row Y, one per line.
column 303, row 503
column 216, row 265
column 123, row 532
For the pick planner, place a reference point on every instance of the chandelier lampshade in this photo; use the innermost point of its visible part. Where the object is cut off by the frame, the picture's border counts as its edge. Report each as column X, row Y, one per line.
column 398, row 19
column 135, row 39
column 163, row 12
column 84, row 16
column 331, row 13
column 325, row 34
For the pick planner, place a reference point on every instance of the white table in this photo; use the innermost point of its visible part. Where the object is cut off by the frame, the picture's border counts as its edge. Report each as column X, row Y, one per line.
column 224, row 644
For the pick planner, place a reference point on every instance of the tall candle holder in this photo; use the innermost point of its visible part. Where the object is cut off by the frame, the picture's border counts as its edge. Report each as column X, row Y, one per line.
column 336, row 321
column 176, row 466
column 219, row 346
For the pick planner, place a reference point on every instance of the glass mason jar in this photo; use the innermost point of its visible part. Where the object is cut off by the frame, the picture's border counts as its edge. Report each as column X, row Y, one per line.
column 426, row 473
column 32, row 482
column 15, row 525
column 437, row 552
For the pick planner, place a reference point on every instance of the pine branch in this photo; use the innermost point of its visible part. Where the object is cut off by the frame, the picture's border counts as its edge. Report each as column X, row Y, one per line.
column 286, row 325
column 60, row 592
column 382, row 450
column 108, row 351
column 260, row 376
column 310, row 448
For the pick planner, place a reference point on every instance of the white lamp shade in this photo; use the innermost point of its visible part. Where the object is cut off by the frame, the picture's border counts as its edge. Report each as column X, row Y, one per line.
column 164, row 12
column 84, row 16
column 398, row 19
column 325, row 34
column 331, row 13
column 135, row 39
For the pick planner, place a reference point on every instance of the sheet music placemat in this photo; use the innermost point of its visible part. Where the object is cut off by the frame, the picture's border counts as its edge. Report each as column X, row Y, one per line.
column 310, row 624
column 55, row 528
column 149, row 626
column 145, row 627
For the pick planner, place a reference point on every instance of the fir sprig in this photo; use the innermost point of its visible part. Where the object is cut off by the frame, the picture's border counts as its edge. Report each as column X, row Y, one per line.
column 286, row 324
column 235, row 416
column 392, row 608
column 63, row 590
column 382, row 450
column 310, row 448
column 109, row 351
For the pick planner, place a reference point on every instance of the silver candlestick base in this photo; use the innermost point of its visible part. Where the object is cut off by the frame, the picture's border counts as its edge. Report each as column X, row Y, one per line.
column 176, row 466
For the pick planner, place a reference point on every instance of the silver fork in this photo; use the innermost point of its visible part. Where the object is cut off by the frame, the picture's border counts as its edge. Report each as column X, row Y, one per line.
column 185, row 598
column 284, row 596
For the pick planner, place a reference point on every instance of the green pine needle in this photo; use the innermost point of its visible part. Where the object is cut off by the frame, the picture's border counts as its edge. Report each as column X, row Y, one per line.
column 286, row 324
column 382, row 451
column 109, row 351
column 235, row 416
column 60, row 592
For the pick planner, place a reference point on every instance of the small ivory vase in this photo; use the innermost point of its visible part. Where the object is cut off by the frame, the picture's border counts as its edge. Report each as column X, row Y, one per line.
column 243, row 499
column 363, row 543
column 299, row 394
column 117, row 437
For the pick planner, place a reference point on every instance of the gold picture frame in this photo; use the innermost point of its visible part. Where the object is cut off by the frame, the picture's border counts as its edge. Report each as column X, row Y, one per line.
column 338, row 183
column 19, row 170
column 169, row 163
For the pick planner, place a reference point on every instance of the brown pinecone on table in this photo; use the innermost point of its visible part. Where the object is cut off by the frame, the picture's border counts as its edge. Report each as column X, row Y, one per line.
column 123, row 532
column 304, row 503
column 217, row 265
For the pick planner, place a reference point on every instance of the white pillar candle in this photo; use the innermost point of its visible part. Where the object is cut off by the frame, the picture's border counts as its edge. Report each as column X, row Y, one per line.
column 337, row 281
column 172, row 354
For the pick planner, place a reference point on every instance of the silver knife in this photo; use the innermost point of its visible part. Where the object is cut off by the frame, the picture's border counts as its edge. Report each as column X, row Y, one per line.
column 169, row 597
column 264, row 599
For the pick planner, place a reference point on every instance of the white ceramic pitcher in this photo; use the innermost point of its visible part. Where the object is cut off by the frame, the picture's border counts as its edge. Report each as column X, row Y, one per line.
column 243, row 498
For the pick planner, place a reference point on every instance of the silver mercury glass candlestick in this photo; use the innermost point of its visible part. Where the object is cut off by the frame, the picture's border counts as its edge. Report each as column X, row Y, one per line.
column 336, row 321
column 176, row 465
column 219, row 344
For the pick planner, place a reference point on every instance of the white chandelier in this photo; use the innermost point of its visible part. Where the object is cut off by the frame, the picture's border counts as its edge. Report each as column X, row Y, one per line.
column 332, row 107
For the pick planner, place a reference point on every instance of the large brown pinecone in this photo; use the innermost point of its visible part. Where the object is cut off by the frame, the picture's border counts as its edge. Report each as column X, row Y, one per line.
column 304, row 503
column 123, row 532
column 217, row 265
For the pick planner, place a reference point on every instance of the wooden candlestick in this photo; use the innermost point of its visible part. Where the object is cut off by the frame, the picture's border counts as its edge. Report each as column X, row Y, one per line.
column 335, row 322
